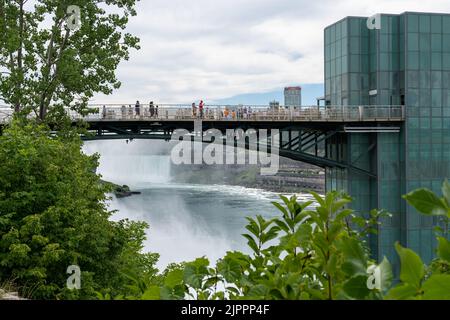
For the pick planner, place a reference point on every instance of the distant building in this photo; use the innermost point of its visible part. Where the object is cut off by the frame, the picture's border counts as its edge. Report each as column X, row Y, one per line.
column 293, row 97
column 274, row 105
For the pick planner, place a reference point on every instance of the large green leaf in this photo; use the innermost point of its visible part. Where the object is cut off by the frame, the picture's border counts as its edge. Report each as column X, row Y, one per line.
column 251, row 243
column 257, row 292
column 174, row 278
column 412, row 267
column 271, row 234
column 195, row 272
column 303, row 233
column 152, row 293
column 230, row 269
column 281, row 208
column 402, row 292
column 386, row 274
column 426, row 202
column 355, row 258
column 253, row 227
column 437, row 287
column 444, row 249
column 356, row 287
column 446, row 191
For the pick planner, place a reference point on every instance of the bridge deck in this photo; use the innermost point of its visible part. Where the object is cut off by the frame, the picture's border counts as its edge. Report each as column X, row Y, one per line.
column 244, row 114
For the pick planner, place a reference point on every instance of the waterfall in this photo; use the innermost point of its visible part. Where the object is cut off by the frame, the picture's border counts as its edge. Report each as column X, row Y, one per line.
column 131, row 164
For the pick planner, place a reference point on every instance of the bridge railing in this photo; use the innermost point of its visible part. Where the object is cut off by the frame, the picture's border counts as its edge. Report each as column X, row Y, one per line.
column 234, row 113
column 248, row 113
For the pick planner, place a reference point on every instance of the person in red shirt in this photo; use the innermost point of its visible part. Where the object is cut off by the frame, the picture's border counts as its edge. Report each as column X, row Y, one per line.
column 200, row 107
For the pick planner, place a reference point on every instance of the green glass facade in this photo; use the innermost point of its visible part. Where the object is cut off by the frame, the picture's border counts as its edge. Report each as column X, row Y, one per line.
column 405, row 62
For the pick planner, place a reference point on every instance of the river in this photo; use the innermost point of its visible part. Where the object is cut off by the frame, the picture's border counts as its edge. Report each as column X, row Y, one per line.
column 186, row 221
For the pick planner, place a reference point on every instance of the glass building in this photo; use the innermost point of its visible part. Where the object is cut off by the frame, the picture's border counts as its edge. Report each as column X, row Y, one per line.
column 406, row 61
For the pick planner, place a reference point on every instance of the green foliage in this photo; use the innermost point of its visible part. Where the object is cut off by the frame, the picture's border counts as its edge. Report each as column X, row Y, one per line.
column 417, row 280
column 307, row 253
column 46, row 66
column 426, row 202
column 53, row 215
column 314, row 252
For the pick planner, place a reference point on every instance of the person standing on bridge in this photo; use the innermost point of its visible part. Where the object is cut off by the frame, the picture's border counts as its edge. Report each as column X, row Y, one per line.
column 104, row 112
column 194, row 110
column 137, row 108
column 156, row 111
column 152, row 109
column 200, row 107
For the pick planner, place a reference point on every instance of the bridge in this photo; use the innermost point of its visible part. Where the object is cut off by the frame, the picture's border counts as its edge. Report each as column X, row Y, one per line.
column 312, row 134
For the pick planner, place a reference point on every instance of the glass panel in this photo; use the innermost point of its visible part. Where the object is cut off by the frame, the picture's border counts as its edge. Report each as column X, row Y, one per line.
column 413, row 41
column 384, row 80
column 436, row 79
column 338, row 31
column 354, row 63
column 344, row 46
column 446, row 24
column 338, row 48
column 436, row 61
column 425, row 60
column 446, row 80
column 344, row 28
column 384, row 24
column 436, row 24
column 446, row 61
column 425, row 43
column 339, row 66
column 413, row 79
column 413, row 23
column 333, row 33
column 364, row 45
column 424, row 77
column 424, row 23
column 384, row 43
column 436, row 98
column 384, row 61
column 425, row 99
column 354, row 45
column 413, row 98
column 446, row 43
column 354, row 27
column 436, row 42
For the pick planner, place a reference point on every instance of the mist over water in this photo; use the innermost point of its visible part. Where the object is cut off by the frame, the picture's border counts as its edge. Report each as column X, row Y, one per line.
column 186, row 220
column 135, row 164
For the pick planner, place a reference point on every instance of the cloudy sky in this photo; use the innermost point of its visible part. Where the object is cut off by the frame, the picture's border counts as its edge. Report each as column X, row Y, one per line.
column 215, row 49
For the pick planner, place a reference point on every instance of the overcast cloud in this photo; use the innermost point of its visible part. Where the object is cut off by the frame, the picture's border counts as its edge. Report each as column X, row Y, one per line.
column 213, row 49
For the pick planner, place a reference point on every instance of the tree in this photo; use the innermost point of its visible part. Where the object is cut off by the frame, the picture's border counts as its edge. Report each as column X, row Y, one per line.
column 45, row 65
column 53, row 214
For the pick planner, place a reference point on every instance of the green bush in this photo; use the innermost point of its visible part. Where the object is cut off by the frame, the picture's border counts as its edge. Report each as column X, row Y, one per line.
column 53, row 215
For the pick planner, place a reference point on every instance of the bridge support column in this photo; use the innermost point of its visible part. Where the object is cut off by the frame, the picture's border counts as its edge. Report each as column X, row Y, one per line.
column 378, row 153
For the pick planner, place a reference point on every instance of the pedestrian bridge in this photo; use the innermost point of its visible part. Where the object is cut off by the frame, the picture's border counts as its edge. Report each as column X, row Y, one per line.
column 312, row 134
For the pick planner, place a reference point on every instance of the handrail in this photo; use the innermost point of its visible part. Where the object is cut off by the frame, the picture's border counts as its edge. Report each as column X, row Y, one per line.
column 171, row 112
